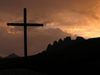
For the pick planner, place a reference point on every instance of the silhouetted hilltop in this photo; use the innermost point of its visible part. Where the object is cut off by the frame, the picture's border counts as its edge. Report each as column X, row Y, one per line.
column 79, row 39
column 12, row 56
column 79, row 56
column 67, row 42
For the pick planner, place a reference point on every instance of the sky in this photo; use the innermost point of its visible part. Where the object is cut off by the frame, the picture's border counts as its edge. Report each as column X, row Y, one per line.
column 61, row 18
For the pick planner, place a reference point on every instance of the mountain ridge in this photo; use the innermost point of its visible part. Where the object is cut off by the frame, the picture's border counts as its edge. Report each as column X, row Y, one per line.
column 67, row 42
column 80, row 58
column 13, row 55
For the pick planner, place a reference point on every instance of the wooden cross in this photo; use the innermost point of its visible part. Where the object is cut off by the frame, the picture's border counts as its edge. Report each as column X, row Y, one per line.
column 25, row 24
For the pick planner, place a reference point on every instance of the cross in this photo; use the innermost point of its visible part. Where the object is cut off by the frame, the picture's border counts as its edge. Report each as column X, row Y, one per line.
column 25, row 24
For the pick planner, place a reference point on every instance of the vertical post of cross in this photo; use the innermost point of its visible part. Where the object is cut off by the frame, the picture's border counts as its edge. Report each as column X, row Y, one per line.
column 25, row 24
column 25, row 34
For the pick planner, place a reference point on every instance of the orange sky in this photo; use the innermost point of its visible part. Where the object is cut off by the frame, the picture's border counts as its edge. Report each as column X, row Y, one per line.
column 72, row 17
column 79, row 17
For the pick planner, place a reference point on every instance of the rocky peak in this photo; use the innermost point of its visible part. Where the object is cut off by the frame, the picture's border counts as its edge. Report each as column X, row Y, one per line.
column 63, row 44
column 79, row 38
column 67, row 39
column 55, row 43
column 12, row 56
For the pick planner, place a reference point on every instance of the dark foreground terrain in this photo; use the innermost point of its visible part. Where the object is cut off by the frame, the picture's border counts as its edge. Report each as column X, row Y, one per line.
column 68, row 57
column 19, row 72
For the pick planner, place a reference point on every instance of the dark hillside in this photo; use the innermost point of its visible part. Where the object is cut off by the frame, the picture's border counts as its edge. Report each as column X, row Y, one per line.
column 80, row 57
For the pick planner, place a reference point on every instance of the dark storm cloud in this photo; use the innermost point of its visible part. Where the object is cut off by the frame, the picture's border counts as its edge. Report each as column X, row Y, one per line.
column 38, row 40
column 49, row 7
column 47, row 11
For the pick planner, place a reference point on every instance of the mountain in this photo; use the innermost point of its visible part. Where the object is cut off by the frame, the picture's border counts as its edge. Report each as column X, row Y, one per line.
column 61, row 44
column 79, row 56
column 12, row 56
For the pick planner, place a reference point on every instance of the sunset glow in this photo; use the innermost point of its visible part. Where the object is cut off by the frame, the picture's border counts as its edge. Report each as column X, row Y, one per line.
column 60, row 17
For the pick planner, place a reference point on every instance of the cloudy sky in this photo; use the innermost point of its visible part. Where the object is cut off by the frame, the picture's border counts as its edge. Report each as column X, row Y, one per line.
column 61, row 18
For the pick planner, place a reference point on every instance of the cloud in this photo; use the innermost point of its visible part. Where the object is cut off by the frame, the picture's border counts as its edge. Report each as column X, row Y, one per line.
column 56, row 12
column 38, row 40
column 70, row 16
column 44, row 6
column 49, row 7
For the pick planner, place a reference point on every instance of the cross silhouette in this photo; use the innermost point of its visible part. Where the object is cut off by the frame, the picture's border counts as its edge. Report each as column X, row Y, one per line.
column 25, row 24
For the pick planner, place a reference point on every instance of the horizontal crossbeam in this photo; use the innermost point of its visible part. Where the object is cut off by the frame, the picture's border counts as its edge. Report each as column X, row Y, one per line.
column 22, row 24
